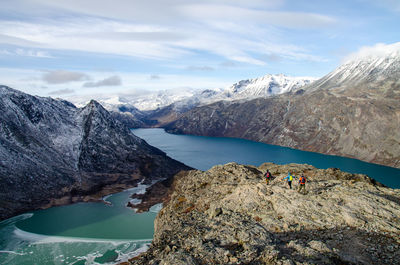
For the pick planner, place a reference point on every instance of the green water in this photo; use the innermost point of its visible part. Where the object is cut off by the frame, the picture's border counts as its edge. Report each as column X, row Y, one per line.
column 97, row 233
column 82, row 233
column 204, row 152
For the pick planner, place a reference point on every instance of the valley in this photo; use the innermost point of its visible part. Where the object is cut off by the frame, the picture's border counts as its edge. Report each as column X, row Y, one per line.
column 199, row 132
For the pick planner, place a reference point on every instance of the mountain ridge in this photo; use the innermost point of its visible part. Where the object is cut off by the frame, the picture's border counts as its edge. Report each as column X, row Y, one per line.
column 264, row 86
column 356, row 119
column 53, row 153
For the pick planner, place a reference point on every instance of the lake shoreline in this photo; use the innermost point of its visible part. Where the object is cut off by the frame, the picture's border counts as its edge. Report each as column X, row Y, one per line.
column 203, row 152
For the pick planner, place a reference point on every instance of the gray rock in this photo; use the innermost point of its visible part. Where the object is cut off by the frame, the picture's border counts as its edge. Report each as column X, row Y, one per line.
column 280, row 227
column 53, row 153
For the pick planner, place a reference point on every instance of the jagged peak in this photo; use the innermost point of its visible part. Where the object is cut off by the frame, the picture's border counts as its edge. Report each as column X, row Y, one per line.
column 94, row 105
column 95, row 109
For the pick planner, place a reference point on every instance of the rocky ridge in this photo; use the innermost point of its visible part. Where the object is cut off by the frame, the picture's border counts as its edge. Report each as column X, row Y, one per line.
column 228, row 215
column 52, row 153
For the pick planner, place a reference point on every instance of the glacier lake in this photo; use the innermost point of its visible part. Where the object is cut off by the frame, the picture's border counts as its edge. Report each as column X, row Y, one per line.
column 78, row 234
column 99, row 233
column 203, row 152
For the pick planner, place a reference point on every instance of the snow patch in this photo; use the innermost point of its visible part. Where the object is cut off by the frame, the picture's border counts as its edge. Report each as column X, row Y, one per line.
column 379, row 50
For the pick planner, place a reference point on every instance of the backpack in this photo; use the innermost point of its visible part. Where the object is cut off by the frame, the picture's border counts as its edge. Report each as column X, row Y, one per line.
column 302, row 180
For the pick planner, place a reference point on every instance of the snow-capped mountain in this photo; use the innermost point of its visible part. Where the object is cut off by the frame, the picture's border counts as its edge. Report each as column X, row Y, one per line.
column 244, row 90
column 265, row 86
column 365, row 71
column 186, row 98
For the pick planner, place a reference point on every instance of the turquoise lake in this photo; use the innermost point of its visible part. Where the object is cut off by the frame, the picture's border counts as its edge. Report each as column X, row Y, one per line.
column 98, row 233
column 204, row 152
column 78, row 234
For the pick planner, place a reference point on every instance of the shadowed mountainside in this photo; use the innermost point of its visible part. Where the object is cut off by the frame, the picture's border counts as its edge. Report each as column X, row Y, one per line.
column 53, row 153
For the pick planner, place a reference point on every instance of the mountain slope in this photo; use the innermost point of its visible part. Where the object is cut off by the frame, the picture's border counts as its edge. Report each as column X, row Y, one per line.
column 370, row 76
column 53, row 153
column 356, row 117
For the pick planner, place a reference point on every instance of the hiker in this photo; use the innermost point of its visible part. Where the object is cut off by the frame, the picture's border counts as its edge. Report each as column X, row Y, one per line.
column 302, row 184
column 289, row 180
column 267, row 176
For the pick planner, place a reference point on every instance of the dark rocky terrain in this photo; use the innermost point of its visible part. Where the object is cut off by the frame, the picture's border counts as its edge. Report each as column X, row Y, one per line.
column 228, row 215
column 53, row 153
column 353, row 111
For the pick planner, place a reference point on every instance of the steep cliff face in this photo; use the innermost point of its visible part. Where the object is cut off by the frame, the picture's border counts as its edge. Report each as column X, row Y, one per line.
column 54, row 153
column 228, row 215
column 353, row 111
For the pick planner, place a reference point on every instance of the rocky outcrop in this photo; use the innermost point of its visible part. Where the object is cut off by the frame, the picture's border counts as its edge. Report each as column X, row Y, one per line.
column 228, row 215
column 156, row 193
column 53, row 153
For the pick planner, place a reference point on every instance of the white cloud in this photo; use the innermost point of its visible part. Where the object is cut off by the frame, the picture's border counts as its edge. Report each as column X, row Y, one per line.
column 155, row 77
column 80, row 35
column 63, row 76
column 7, row 39
column 110, row 81
column 378, row 50
column 65, row 91
column 239, row 15
column 235, row 30
column 26, row 53
column 150, row 11
column 32, row 53
column 199, row 68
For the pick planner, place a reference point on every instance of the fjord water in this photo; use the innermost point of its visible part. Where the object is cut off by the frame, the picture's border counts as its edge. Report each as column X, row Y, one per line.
column 97, row 233
column 81, row 233
column 204, row 152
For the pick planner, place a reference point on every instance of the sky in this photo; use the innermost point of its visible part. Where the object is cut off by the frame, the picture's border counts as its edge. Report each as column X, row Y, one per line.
column 73, row 48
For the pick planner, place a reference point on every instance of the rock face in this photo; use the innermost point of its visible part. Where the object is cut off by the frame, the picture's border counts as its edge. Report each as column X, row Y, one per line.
column 54, row 153
column 228, row 215
column 353, row 111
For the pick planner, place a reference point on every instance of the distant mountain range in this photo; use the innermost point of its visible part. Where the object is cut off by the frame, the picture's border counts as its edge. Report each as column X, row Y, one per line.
column 53, row 153
column 184, row 99
column 353, row 111
column 159, row 108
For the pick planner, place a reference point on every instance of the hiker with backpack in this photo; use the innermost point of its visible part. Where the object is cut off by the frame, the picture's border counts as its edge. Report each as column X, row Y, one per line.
column 302, row 184
column 267, row 176
column 289, row 179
